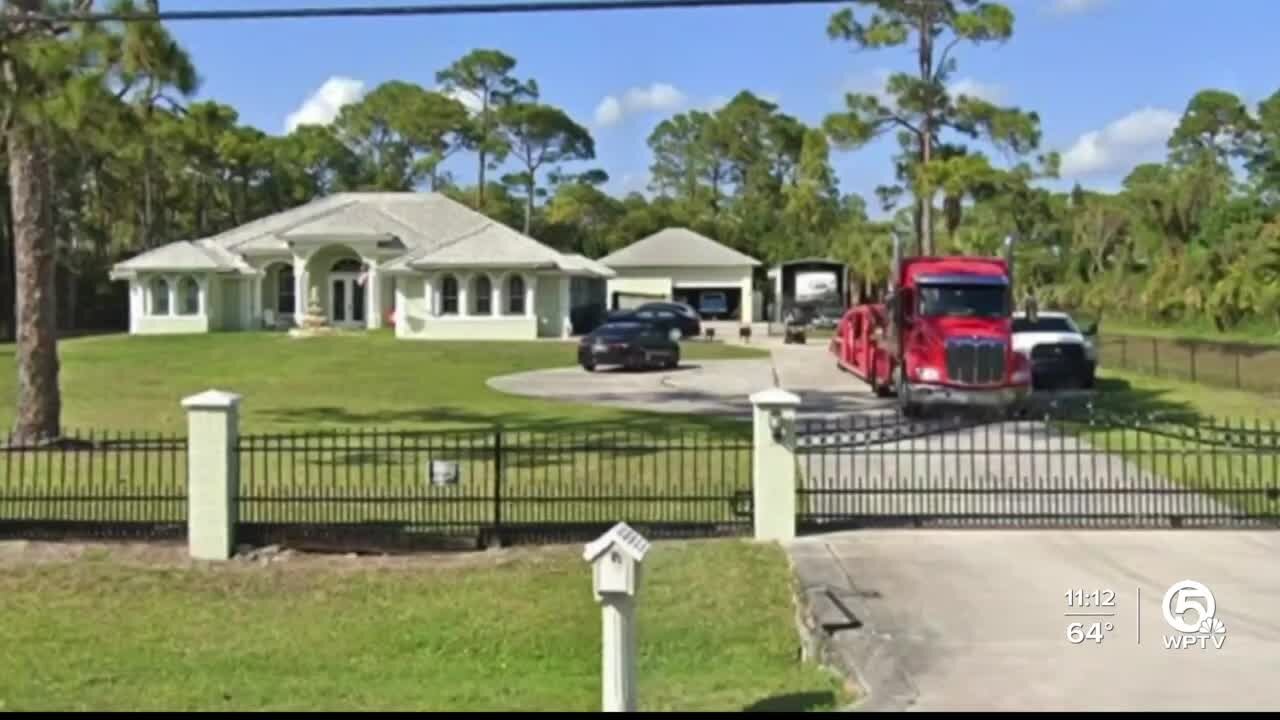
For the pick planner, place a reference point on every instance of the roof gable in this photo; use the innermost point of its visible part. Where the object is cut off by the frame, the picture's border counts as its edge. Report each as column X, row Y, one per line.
column 181, row 255
column 678, row 247
column 435, row 230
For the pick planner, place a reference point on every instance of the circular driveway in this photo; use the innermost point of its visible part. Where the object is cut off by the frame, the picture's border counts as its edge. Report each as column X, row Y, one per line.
column 703, row 387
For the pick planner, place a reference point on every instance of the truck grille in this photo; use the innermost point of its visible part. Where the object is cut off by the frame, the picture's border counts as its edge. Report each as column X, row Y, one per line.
column 1072, row 353
column 975, row 361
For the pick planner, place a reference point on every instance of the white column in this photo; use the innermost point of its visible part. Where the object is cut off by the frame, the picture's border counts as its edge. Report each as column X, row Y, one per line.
column 464, row 295
column 619, row 644
column 530, row 294
column 137, row 300
column 202, row 295
column 777, row 298
column 213, row 473
column 773, row 476
column 566, row 327
column 373, row 298
column 299, row 289
column 746, row 307
column 172, row 283
column 496, row 301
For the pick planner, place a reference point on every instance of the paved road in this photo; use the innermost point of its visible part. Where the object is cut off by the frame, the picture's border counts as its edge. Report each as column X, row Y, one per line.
column 964, row 620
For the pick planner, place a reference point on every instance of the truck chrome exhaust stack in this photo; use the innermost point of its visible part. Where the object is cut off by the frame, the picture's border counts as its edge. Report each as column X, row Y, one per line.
column 1009, row 242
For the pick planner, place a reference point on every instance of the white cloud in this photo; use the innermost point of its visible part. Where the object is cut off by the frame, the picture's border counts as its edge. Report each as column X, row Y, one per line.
column 469, row 100
column 609, row 112
column 1135, row 138
column 1071, row 7
column 977, row 89
column 323, row 105
column 658, row 96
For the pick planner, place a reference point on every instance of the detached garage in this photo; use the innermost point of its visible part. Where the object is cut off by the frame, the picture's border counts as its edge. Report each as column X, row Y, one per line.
column 680, row 265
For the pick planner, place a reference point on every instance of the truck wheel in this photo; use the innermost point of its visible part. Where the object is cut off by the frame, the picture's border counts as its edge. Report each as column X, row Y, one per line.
column 909, row 409
column 882, row 390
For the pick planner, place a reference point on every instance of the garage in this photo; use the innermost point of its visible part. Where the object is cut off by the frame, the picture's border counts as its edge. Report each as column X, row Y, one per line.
column 678, row 264
column 812, row 287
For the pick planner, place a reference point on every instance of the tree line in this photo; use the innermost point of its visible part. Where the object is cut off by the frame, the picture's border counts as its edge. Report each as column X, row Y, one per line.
column 108, row 155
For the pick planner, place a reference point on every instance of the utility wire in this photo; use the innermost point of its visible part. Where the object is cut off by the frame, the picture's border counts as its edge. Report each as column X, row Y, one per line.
column 418, row 9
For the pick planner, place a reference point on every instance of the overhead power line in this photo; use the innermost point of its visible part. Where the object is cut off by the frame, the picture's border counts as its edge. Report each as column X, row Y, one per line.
column 418, row 9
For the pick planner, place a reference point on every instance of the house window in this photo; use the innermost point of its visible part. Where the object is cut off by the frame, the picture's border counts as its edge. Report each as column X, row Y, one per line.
column 159, row 296
column 449, row 295
column 188, row 296
column 285, row 291
column 481, row 295
column 347, row 265
column 515, row 295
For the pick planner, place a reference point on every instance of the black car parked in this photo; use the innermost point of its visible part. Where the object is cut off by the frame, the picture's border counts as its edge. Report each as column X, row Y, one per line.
column 633, row 345
column 676, row 319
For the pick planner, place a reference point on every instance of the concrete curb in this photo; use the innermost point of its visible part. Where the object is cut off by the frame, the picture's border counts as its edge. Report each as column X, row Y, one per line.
column 832, row 624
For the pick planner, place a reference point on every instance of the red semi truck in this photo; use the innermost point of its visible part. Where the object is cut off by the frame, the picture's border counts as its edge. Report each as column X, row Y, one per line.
column 943, row 337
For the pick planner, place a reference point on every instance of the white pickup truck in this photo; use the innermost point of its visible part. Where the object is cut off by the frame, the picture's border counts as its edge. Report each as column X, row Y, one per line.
column 1061, row 354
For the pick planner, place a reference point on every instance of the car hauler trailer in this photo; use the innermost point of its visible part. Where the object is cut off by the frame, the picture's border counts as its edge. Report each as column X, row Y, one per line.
column 943, row 336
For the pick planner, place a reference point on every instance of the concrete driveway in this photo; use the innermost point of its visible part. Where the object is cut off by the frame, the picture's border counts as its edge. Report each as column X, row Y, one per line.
column 709, row 387
column 970, row 619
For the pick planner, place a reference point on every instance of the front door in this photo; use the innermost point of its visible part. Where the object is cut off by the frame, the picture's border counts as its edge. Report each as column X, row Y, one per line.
column 346, row 296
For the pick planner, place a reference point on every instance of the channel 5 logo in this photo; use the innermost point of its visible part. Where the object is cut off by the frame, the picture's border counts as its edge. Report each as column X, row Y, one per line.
column 1190, row 608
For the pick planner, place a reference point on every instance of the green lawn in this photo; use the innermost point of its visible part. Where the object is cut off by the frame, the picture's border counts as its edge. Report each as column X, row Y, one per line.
column 1134, row 393
column 368, row 380
column 514, row 631
column 560, row 462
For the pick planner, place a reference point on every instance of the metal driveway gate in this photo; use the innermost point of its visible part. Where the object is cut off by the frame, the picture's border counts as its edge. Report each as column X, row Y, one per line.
column 1063, row 468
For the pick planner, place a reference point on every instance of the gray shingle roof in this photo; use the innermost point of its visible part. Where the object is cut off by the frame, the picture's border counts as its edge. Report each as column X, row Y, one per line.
column 587, row 266
column 200, row 255
column 678, row 247
column 436, row 231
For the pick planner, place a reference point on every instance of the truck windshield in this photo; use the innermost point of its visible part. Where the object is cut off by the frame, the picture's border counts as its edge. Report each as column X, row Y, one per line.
column 963, row 301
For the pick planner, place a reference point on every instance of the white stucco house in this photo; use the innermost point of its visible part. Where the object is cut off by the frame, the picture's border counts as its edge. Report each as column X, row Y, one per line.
column 681, row 265
column 431, row 266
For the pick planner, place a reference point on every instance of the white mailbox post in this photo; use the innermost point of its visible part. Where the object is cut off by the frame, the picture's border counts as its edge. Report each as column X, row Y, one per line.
column 616, row 560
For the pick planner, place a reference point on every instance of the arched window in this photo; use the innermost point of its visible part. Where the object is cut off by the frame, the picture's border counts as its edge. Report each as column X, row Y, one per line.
column 188, row 296
column 481, row 295
column 515, row 295
column 449, row 295
column 348, row 265
column 159, row 296
column 286, row 290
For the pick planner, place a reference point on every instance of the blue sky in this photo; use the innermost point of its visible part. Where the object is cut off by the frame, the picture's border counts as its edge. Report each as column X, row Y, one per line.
column 1108, row 77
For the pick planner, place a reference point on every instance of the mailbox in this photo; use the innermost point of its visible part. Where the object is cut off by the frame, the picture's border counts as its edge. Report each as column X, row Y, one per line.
column 443, row 473
column 616, row 559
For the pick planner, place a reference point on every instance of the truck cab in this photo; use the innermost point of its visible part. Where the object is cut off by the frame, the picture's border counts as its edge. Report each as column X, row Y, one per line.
column 943, row 336
column 955, row 332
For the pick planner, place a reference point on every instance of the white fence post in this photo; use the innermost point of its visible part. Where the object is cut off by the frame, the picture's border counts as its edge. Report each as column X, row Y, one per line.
column 773, row 475
column 213, row 473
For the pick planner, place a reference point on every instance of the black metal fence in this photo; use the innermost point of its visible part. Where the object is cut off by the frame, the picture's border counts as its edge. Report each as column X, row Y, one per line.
column 407, row 489
column 1065, row 468
column 95, row 485
column 1243, row 366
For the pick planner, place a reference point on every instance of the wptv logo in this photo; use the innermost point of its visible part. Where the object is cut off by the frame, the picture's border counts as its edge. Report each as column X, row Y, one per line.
column 1190, row 609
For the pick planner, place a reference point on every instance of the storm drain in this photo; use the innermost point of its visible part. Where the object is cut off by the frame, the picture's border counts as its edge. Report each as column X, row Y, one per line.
column 831, row 613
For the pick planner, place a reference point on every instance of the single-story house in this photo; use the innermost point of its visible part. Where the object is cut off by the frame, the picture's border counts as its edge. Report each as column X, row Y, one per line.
column 430, row 265
column 678, row 264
